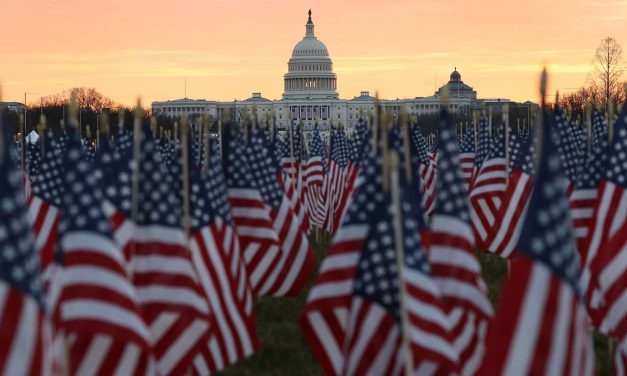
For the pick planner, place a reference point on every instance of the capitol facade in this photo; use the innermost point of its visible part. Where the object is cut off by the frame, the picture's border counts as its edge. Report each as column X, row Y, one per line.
column 310, row 95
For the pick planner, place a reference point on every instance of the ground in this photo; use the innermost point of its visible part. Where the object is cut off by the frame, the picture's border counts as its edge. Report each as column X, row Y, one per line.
column 285, row 352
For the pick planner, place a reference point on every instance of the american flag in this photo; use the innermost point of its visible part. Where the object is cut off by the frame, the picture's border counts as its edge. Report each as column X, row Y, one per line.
column 541, row 326
column 21, row 295
column 487, row 190
column 258, row 238
column 340, row 175
column 324, row 318
column 172, row 300
column 296, row 257
column 380, row 315
column 96, row 307
column 221, row 270
column 484, row 142
column 294, row 181
column 599, row 128
column 467, row 156
column 570, row 155
column 455, row 268
column 604, row 275
column 33, row 163
column 511, row 216
column 44, row 205
column 584, row 196
column 315, row 173
column 427, row 169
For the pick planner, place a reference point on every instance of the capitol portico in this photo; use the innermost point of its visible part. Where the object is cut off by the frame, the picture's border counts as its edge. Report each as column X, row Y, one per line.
column 310, row 94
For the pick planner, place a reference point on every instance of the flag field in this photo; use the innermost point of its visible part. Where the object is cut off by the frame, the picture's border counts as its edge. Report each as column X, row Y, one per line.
column 284, row 351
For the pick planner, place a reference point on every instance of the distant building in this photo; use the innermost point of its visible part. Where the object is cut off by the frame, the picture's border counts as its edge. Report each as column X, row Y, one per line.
column 310, row 95
column 13, row 106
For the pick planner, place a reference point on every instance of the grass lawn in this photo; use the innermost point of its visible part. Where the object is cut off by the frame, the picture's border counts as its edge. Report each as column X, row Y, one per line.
column 285, row 352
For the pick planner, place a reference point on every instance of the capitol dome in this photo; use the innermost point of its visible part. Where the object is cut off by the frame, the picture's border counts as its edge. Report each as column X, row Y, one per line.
column 310, row 69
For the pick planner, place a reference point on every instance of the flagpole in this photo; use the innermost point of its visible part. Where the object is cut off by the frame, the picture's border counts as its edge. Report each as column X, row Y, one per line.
column 490, row 121
column 400, row 254
column 42, row 133
column 136, row 167
column 2, row 128
column 292, row 159
column 589, row 127
column 610, row 123
column 207, row 128
column 185, row 176
column 506, row 125
column 374, row 123
column 476, row 127
column 406, row 154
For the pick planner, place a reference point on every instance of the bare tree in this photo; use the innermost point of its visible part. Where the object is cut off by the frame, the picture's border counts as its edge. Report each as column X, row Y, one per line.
column 609, row 67
column 89, row 99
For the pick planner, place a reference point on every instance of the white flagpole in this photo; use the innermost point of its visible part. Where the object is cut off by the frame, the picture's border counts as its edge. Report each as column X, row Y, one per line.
column 400, row 254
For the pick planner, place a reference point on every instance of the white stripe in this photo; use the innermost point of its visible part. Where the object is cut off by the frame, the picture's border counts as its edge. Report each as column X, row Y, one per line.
column 20, row 356
column 89, row 309
column 618, row 310
column 331, row 289
column 172, row 295
column 372, row 321
column 433, row 343
column 597, row 233
column 452, row 256
column 161, row 324
column 499, row 174
column 614, row 270
column 216, row 354
column 128, row 361
column 160, row 234
column 33, row 209
column 244, row 193
column 560, row 345
column 92, row 242
column 578, row 213
column 451, row 287
column 200, row 366
column 427, row 312
column 477, row 223
column 524, row 341
column 97, row 276
column 421, row 281
column 619, row 220
column 340, row 261
column 96, row 353
column 301, row 255
column 162, row 264
column 583, row 194
column 231, row 306
column 182, row 345
column 474, row 361
column 452, row 226
column 387, row 353
column 327, row 339
column 248, row 212
column 257, row 232
column 46, row 227
column 262, row 267
column 488, row 189
column 509, row 214
column 350, row 233
column 487, row 212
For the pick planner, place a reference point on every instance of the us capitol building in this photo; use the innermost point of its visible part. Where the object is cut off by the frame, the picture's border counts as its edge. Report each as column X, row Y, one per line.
column 310, row 95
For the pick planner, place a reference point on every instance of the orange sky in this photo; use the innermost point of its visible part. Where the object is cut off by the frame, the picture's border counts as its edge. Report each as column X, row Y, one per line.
column 228, row 49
